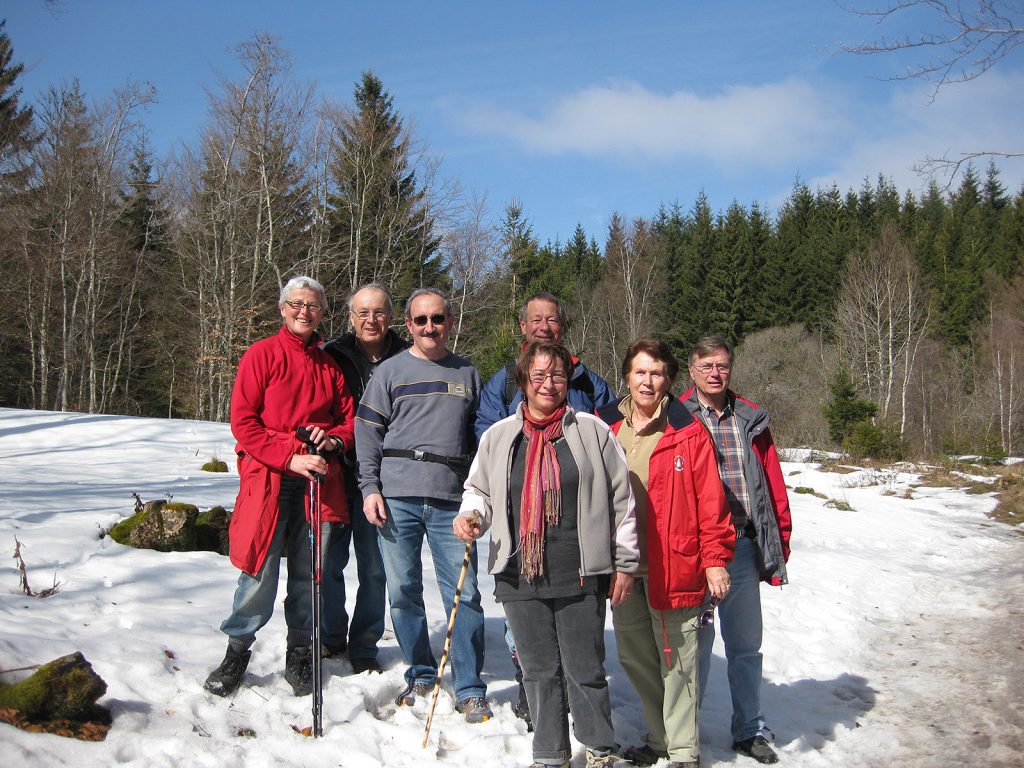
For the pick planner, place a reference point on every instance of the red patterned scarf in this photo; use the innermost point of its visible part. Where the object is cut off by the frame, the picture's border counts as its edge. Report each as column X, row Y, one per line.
column 541, row 503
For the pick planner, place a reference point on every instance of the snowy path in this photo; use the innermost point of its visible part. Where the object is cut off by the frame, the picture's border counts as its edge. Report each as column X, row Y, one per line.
column 897, row 643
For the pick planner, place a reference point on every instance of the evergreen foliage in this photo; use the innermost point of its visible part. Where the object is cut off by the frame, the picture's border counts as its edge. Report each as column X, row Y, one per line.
column 845, row 409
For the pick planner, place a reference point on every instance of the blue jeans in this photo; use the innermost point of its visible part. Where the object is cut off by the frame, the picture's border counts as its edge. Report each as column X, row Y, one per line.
column 739, row 616
column 367, row 625
column 254, row 596
column 401, row 545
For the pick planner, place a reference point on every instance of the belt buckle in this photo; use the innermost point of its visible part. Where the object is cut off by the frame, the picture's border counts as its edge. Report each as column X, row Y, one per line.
column 418, row 455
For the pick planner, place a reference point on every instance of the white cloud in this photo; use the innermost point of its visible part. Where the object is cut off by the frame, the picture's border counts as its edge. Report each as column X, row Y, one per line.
column 982, row 116
column 768, row 125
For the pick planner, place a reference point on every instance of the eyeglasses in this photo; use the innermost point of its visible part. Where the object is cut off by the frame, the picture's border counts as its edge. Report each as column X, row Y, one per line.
column 298, row 305
column 707, row 618
column 365, row 314
column 706, row 368
column 539, row 377
column 437, row 319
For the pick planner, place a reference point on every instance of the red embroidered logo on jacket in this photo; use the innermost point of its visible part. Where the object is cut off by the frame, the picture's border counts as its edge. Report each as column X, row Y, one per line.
column 678, row 463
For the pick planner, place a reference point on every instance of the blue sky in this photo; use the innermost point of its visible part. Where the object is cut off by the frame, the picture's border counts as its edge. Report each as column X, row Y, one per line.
column 578, row 110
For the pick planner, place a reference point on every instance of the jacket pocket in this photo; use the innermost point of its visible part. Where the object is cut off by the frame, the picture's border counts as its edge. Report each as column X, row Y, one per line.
column 684, row 568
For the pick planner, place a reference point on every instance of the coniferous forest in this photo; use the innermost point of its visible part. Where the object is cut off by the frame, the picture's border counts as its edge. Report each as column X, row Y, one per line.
column 872, row 317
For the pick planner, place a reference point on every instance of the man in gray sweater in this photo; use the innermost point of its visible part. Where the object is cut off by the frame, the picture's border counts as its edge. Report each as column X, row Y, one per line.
column 414, row 439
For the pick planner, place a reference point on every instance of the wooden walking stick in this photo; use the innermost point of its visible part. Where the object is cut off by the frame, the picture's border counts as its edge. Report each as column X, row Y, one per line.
column 475, row 520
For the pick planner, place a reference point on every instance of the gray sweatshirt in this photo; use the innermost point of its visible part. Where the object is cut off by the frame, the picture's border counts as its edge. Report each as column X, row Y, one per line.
column 416, row 404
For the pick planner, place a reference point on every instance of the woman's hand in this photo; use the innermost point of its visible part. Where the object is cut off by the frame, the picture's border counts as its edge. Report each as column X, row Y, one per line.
column 622, row 587
column 306, row 464
column 323, row 442
column 467, row 528
column 718, row 581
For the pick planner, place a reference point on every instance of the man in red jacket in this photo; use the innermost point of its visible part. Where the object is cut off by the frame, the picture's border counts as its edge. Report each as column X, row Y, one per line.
column 756, row 492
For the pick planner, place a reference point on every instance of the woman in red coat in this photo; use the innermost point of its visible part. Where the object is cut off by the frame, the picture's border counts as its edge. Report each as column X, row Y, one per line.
column 686, row 541
column 284, row 382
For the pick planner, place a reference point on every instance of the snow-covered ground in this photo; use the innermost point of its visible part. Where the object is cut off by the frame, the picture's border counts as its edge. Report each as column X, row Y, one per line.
column 898, row 641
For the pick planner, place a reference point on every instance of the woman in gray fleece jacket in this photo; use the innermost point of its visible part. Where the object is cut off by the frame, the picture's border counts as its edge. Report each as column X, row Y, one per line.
column 553, row 488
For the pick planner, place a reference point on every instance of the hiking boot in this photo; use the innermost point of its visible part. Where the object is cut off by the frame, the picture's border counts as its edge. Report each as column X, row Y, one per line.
column 758, row 748
column 365, row 665
column 408, row 695
column 225, row 679
column 298, row 669
column 329, row 651
column 599, row 760
column 643, row 755
column 475, row 709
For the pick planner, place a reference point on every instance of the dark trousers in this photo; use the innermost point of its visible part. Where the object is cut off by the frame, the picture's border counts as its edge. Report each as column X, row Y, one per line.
column 560, row 642
column 367, row 625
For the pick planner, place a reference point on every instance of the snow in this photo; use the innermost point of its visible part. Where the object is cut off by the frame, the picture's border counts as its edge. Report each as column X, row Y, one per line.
column 896, row 642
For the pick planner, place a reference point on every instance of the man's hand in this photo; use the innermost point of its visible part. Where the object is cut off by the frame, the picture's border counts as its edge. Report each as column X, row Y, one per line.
column 375, row 510
column 718, row 581
column 622, row 587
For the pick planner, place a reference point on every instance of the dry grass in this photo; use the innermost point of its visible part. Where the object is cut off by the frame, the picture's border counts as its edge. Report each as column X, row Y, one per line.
column 1010, row 487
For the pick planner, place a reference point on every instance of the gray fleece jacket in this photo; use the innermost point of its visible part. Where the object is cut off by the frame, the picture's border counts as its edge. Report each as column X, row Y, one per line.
column 607, row 524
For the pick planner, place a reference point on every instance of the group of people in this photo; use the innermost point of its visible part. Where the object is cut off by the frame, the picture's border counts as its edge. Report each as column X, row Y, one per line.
column 665, row 508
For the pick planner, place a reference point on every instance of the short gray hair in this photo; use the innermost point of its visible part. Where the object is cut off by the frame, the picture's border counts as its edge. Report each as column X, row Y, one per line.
column 423, row 292
column 299, row 282
column 377, row 287
column 563, row 316
column 708, row 345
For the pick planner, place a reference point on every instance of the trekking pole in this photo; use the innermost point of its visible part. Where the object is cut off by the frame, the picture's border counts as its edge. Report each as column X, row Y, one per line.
column 315, row 524
column 448, row 637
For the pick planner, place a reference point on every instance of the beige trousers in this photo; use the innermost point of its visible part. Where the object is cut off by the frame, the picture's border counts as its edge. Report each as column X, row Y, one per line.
column 666, row 684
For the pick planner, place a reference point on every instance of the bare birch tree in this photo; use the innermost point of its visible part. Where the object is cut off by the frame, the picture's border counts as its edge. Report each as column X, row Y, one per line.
column 880, row 321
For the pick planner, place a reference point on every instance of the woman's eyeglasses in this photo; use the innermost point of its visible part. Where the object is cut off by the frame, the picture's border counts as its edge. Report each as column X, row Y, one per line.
column 539, row 377
column 421, row 320
column 298, row 305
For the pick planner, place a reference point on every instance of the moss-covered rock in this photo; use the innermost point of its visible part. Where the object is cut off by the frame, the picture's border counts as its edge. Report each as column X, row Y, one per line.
column 212, row 530
column 163, row 526
column 215, row 465
column 65, row 688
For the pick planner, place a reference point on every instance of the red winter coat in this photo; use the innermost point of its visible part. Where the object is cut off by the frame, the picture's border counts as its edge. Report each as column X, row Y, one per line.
column 689, row 526
column 282, row 384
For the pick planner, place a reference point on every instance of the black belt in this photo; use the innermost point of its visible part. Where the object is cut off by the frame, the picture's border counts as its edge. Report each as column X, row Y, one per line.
column 457, row 463
column 747, row 531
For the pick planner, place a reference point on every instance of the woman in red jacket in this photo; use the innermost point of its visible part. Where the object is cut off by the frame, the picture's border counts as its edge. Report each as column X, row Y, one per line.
column 686, row 540
column 284, row 382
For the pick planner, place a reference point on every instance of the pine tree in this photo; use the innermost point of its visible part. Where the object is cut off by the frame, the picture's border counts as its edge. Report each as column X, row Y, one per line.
column 17, row 134
column 17, row 138
column 845, row 409
column 381, row 219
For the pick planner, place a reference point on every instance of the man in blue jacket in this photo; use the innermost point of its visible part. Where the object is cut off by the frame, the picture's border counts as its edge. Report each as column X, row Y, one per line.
column 542, row 317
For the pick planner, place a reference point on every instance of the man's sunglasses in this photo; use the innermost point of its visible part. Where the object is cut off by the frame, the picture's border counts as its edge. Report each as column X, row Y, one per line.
column 707, row 618
column 421, row 320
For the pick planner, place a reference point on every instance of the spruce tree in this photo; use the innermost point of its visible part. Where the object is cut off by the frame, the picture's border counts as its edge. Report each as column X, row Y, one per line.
column 845, row 409
column 381, row 219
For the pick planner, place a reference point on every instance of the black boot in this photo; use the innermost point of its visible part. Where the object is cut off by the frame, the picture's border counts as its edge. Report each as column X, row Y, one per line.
column 225, row 679
column 521, row 707
column 298, row 669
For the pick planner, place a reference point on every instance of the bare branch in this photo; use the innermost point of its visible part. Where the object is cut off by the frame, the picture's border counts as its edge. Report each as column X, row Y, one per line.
column 971, row 38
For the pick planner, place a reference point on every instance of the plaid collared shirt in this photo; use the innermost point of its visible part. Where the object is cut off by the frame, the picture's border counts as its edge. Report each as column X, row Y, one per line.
column 726, row 431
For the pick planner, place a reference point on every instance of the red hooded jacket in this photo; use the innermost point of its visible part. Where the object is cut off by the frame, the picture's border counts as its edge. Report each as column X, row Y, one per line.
column 283, row 384
column 689, row 526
